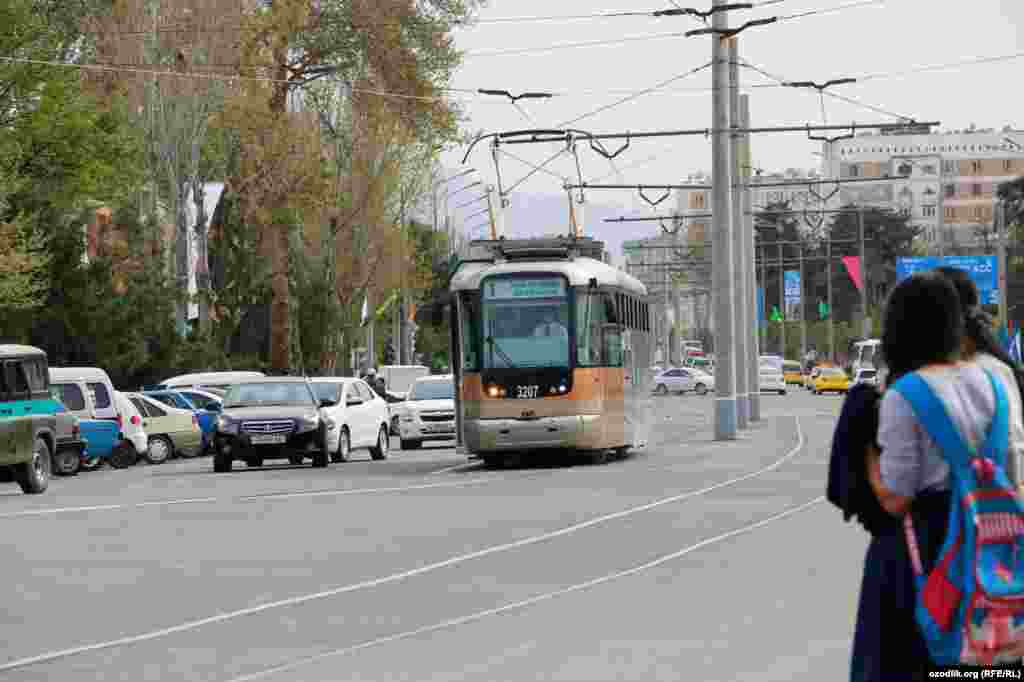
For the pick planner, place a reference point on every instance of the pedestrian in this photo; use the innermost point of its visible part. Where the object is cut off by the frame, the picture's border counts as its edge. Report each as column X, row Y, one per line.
column 980, row 346
column 923, row 331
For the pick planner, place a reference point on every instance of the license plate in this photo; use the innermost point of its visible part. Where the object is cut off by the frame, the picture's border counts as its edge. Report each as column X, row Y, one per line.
column 527, row 392
column 268, row 440
column 440, row 428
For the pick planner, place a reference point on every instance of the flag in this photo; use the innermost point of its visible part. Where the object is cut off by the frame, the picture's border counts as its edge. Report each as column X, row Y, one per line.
column 366, row 310
column 852, row 264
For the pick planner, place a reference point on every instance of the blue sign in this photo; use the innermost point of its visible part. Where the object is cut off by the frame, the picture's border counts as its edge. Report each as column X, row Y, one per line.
column 792, row 287
column 982, row 269
column 760, row 306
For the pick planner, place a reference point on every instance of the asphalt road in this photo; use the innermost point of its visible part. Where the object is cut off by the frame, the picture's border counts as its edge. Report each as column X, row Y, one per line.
column 689, row 559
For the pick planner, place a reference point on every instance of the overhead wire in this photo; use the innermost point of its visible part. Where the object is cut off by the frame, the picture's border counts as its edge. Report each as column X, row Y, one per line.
column 566, row 46
column 829, row 10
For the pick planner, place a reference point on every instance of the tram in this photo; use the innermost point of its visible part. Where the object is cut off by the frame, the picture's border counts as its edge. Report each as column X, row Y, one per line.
column 550, row 347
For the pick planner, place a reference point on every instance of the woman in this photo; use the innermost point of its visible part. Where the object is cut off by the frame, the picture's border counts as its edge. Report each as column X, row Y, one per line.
column 979, row 345
column 923, row 331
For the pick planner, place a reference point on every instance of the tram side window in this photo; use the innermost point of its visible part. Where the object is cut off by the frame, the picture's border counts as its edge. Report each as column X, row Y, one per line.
column 470, row 314
column 590, row 319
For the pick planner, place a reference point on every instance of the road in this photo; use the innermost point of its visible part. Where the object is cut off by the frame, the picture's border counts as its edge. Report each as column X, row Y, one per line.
column 689, row 559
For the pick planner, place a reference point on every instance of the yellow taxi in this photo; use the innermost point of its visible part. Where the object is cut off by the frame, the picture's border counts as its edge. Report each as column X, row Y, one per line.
column 792, row 373
column 831, row 379
column 810, row 377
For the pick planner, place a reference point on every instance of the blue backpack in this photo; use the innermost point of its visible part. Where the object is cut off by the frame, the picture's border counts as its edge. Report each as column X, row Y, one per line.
column 970, row 605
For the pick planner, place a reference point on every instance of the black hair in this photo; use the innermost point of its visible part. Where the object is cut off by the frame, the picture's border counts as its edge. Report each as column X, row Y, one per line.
column 923, row 324
column 977, row 325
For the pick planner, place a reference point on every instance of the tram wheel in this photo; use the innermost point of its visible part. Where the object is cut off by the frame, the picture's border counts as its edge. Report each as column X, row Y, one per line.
column 493, row 461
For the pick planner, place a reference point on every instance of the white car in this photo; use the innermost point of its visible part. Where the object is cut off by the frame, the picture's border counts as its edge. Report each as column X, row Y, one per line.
column 866, row 376
column 131, row 423
column 772, row 380
column 429, row 412
column 358, row 418
column 682, row 380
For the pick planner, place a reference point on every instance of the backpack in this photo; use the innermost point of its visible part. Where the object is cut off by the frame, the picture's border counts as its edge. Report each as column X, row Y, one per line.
column 970, row 604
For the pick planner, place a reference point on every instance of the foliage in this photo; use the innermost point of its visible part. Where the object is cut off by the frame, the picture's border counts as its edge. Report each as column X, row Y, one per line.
column 24, row 269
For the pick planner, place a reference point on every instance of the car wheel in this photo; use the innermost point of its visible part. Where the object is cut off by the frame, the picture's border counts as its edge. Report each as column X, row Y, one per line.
column 344, row 447
column 221, row 462
column 159, row 451
column 701, row 389
column 322, row 457
column 296, row 459
column 124, row 455
column 782, row 393
column 34, row 475
column 380, row 451
column 66, row 462
column 662, row 389
column 411, row 444
column 90, row 464
column 254, row 462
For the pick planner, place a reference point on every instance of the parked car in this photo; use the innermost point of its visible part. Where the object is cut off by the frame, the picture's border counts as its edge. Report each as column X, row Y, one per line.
column 101, row 389
column 71, row 447
column 831, row 380
column 810, row 377
column 682, row 380
column 272, row 418
column 207, row 380
column 793, row 373
column 703, row 364
column 135, row 440
column 169, row 430
column 28, row 422
column 398, row 379
column 101, row 435
column 429, row 412
column 207, row 418
column 359, row 417
column 771, row 380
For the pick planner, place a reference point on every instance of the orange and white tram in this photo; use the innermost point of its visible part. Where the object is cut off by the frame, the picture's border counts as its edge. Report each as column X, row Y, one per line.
column 550, row 348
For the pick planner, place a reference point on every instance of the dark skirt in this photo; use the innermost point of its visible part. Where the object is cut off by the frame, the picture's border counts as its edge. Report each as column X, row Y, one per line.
column 887, row 644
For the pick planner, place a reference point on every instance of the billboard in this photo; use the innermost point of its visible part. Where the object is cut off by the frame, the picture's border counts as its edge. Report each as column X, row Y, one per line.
column 792, row 287
column 982, row 269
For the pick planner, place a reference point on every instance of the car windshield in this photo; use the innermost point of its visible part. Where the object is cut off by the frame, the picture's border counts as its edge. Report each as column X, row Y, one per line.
column 832, row 372
column 432, row 390
column 525, row 322
column 291, row 393
column 326, row 391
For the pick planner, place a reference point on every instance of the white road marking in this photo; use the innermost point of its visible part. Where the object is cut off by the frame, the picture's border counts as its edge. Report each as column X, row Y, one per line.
column 479, row 615
column 395, row 577
column 457, row 467
column 247, row 498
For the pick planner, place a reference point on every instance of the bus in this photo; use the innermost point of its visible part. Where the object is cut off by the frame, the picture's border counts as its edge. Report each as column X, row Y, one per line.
column 552, row 347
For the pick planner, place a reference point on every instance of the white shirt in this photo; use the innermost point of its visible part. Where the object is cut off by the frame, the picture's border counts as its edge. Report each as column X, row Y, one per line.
column 1015, row 454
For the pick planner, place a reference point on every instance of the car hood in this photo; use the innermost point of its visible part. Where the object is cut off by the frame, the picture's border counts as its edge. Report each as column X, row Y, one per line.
column 427, row 405
column 271, row 412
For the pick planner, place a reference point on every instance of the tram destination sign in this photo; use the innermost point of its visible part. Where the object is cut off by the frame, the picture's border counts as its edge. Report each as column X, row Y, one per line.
column 546, row 287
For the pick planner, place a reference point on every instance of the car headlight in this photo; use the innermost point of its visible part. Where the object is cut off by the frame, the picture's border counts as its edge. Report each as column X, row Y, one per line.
column 227, row 425
column 309, row 422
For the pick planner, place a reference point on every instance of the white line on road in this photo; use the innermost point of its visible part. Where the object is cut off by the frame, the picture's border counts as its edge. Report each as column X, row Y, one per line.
column 479, row 615
column 457, row 467
column 395, row 577
column 247, row 498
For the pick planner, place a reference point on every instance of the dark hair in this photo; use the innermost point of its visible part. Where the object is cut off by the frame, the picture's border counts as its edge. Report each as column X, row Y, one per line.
column 977, row 325
column 923, row 324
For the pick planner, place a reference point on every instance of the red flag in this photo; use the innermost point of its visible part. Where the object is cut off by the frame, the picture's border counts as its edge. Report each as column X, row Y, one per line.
column 852, row 264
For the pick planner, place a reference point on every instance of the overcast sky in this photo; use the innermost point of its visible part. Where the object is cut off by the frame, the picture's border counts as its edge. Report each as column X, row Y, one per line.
column 890, row 37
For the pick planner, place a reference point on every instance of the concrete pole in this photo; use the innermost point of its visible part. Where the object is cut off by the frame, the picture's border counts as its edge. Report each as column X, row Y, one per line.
column 722, row 256
column 739, row 290
column 749, row 270
column 803, row 309
column 828, row 279
column 998, row 217
column 865, row 320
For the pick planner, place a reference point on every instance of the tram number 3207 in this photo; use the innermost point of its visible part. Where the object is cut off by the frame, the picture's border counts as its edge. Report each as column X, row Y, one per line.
column 527, row 392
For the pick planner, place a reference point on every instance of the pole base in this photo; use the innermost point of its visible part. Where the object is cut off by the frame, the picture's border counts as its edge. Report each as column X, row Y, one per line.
column 742, row 411
column 754, row 402
column 725, row 419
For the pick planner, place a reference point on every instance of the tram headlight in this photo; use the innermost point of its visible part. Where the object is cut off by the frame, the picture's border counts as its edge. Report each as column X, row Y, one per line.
column 493, row 391
column 562, row 389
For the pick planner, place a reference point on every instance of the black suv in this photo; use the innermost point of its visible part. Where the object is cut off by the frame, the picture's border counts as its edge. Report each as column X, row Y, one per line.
column 271, row 418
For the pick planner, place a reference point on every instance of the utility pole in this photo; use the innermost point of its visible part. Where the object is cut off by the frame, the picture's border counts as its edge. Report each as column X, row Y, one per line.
column 722, row 256
column 999, row 219
column 764, row 296
column 803, row 309
column 865, row 320
column 750, row 270
column 739, row 290
column 782, row 305
column 828, row 279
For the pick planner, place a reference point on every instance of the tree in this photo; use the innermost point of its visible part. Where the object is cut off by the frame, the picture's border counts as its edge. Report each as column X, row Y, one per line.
column 24, row 269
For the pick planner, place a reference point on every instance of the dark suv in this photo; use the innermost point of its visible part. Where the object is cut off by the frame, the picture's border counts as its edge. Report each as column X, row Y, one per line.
column 271, row 418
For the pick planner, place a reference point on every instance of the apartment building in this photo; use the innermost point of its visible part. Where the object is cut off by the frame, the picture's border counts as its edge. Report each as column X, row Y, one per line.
column 953, row 179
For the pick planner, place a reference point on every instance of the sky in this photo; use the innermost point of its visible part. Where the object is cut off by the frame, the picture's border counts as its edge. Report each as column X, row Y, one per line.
column 882, row 39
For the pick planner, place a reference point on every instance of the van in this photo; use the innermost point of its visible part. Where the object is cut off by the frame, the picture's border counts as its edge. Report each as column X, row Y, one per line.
column 398, row 379
column 219, row 380
column 101, row 389
column 28, row 422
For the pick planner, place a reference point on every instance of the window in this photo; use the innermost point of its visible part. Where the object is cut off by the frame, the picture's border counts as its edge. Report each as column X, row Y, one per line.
column 950, row 213
column 100, row 395
column 19, row 378
column 432, row 390
column 975, row 166
column 154, row 411
column 949, row 168
column 525, row 321
column 165, row 398
column 928, row 211
column 70, row 395
column 949, row 191
column 200, row 401
column 35, row 370
column 470, row 318
column 1008, row 166
column 364, row 391
column 327, row 391
column 591, row 316
column 269, row 393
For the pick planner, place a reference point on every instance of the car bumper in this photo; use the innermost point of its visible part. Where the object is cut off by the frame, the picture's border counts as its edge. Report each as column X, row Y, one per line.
column 426, row 431
column 242, row 445
column 579, row 432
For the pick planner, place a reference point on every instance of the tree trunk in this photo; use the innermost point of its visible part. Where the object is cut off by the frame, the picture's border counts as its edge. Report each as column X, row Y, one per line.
column 280, row 261
column 181, row 235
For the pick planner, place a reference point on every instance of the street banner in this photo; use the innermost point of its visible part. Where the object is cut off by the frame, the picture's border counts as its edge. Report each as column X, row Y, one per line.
column 852, row 264
column 983, row 270
column 792, row 287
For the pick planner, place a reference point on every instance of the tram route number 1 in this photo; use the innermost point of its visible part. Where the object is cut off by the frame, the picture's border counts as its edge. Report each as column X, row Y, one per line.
column 527, row 392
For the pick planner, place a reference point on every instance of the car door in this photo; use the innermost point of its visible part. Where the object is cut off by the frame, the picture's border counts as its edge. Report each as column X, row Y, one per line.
column 333, row 391
column 376, row 416
column 364, row 414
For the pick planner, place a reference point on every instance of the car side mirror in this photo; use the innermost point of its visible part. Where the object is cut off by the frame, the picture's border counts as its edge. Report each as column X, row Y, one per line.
column 327, row 403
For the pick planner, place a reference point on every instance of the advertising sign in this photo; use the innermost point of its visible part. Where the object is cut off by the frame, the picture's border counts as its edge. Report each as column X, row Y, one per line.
column 982, row 269
column 792, row 286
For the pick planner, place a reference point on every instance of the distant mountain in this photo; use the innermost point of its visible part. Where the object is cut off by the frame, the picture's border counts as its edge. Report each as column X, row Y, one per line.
column 537, row 215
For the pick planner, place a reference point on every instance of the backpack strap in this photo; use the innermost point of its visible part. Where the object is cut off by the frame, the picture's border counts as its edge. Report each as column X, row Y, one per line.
column 931, row 413
column 997, row 442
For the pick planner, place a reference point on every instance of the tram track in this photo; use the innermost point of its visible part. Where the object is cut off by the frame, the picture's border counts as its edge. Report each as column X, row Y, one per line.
column 602, row 520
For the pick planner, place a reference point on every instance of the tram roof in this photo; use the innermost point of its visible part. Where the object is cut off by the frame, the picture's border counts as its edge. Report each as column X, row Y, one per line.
column 579, row 271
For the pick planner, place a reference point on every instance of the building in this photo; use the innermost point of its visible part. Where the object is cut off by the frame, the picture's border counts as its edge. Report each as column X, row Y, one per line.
column 954, row 176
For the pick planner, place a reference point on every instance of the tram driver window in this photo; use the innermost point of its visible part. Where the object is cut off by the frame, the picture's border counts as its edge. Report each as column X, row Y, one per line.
column 470, row 331
column 591, row 317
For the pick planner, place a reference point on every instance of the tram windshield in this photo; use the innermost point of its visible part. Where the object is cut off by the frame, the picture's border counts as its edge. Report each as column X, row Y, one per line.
column 525, row 322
